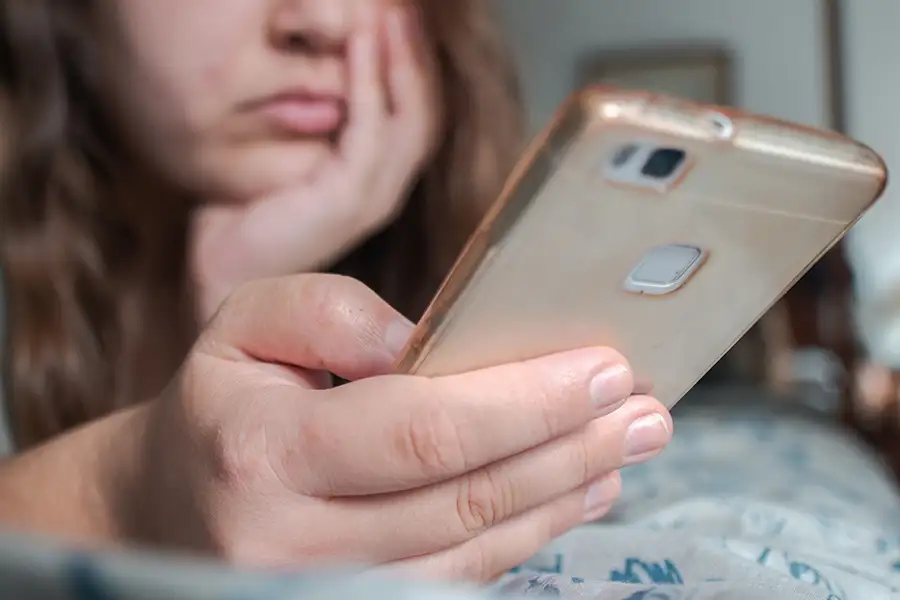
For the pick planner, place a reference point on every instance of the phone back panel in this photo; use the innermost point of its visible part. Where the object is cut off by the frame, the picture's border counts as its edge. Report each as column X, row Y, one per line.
column 546, row 271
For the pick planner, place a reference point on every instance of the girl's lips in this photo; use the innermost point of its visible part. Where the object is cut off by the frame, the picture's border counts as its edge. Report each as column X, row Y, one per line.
column 302, row 115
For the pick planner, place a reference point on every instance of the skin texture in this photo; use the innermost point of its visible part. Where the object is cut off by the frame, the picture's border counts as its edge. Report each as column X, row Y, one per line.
column 250, row 455
column 191, row 84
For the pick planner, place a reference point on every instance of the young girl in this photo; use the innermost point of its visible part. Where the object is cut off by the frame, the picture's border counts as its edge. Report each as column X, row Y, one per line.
column 160, row 154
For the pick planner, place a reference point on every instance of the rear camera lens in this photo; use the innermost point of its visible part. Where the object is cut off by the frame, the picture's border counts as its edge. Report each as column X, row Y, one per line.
column 662, row 163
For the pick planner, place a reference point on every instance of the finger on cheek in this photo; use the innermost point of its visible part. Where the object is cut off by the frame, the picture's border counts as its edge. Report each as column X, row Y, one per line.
column 405, row 42
column 367, row 100
column 411, row 84
column 398, row 59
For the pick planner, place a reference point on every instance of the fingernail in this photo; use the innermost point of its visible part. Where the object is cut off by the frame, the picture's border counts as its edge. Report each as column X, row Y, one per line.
column 599, row 496
column 610, row 388
column 397, row 335
column 646, row 435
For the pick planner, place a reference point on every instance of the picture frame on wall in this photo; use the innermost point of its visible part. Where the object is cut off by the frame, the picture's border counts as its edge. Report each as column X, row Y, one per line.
column 702, row 73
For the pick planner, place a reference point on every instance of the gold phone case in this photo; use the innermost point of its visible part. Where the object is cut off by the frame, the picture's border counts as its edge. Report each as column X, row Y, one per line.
column 554, row 264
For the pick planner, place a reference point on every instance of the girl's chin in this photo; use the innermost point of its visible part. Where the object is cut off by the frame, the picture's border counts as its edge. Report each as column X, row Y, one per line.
column 264, row 174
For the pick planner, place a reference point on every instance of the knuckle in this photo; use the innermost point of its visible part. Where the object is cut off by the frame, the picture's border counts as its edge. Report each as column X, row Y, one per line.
column 245, row 459
column 584, row 453
column 482, row 502
column 300, row 466
column 555, row 416
column 555, row 401
column 432, row 440
column 238, row 457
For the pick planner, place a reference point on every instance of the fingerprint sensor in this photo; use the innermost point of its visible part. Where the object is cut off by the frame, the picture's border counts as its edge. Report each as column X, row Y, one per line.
column 664, row 269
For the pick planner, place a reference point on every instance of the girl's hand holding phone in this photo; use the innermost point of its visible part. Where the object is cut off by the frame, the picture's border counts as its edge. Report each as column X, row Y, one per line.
column 252, row 456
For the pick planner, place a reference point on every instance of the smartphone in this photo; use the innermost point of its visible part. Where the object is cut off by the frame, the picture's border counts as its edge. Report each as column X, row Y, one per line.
column 659, row 227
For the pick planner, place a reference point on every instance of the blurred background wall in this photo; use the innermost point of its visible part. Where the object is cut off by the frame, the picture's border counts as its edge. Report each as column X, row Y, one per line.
column 778, row 47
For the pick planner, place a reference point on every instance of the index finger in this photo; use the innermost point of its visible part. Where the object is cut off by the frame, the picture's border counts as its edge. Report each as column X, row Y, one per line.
column 368, row 101
column 395, row 433
column 412, row 79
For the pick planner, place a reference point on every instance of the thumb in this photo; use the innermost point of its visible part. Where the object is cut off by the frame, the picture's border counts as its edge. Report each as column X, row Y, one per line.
column 313, row 321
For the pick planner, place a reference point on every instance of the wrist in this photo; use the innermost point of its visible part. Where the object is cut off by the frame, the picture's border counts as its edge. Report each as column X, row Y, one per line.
column 119, row 473
column 78, row 486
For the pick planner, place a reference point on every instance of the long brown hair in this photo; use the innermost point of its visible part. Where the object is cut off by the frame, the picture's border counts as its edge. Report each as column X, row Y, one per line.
column 79, row 317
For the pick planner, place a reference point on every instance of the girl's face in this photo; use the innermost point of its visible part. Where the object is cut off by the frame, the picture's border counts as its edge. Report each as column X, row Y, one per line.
column 231, row 97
